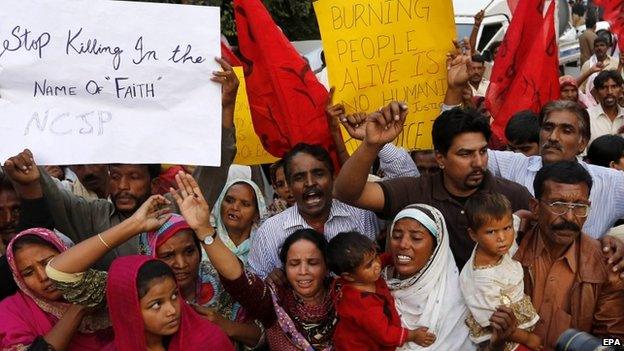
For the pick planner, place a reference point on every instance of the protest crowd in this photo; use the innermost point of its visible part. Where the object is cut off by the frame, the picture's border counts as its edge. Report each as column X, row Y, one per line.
column 504, row 235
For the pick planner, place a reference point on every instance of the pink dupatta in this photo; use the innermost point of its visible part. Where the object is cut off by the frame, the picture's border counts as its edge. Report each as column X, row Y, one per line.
column 195, row 333
column 25, row 316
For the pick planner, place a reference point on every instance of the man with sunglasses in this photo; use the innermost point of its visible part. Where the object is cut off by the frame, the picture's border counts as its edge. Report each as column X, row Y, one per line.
column 565, row 273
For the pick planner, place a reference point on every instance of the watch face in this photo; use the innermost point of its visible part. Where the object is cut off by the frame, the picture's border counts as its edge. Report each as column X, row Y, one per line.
column 209, row 240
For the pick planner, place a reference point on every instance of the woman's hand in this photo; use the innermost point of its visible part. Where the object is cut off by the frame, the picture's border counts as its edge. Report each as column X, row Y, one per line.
column 192, row 204
column 152, row 214
column 215, row 317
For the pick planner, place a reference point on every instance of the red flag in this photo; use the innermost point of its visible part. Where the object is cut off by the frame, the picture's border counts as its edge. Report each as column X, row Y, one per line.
column 512, row 5
column 227, row 54
column 614, row 14
column 526, row 70
column 287, row 101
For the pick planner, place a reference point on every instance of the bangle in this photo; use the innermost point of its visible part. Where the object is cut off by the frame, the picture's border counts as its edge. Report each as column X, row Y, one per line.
column 103, row 242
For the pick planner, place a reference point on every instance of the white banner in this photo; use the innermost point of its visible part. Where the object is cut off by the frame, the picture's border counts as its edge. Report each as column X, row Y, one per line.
column 95, row 81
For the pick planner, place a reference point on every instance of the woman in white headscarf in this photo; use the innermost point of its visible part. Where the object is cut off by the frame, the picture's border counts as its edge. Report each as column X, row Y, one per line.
column 238, row 212
column 424, row 279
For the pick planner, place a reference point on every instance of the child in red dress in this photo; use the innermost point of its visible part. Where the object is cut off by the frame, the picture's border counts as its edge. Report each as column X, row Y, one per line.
column 367, row 318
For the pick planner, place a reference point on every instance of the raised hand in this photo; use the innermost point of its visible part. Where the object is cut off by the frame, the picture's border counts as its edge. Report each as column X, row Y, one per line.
column 478, row 18
column 598, row 67
column 334, row 113
column 229, row 83
column 458, row 64
column 355, row 124
column 152, row 214
column 191, row 201
column 384, row 126
column 22, row 169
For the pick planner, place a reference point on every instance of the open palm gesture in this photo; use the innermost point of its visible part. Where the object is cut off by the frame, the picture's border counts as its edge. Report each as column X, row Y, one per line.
column 191, row 201
column 152, row 214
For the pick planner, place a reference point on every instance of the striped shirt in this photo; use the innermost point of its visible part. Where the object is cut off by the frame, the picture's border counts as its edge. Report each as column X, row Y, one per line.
column 606, row 196
column 268, row 240
column 395, row 162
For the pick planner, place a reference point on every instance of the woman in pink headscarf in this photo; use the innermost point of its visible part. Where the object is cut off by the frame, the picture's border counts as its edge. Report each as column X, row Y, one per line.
column 37, row 317
column 166, row 237
column 145, row 303
column 569, row 90
column 148, row 313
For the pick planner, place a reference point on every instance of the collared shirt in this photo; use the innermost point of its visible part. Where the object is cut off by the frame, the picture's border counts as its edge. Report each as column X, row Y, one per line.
column 481, row 89
column 396, row 162
column 268, row 240
column 606, row 196
column 600, row 124
column 430, row 190
column 577, row 290
column 552, row 291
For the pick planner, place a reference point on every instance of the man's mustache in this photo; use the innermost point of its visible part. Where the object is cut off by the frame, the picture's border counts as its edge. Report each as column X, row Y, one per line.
column 565, row 225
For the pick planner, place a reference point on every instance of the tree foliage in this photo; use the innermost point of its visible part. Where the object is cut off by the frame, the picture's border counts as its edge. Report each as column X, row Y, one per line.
column 295, row 17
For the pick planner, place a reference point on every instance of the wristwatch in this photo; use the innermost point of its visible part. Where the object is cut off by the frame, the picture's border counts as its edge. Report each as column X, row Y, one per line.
column 209, row 239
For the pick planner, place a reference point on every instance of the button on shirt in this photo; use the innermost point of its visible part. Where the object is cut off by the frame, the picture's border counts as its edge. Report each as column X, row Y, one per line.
column 600, row 124
column 268, row 240
column 606, row 196
column 551, row 294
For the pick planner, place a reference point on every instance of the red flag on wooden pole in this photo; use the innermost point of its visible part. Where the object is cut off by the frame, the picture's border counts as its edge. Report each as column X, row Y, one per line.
column 526, row 71
column 614, row 14
column 287, row 101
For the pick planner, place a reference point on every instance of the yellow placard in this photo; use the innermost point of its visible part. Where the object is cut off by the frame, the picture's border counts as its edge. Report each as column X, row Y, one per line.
column 249, row 148
column 378, row 51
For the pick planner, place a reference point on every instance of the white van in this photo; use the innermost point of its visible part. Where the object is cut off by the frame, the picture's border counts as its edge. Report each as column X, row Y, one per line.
column 496, row 21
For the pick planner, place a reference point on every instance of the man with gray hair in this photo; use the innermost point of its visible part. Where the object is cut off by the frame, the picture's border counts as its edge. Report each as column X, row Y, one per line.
column 564, row 134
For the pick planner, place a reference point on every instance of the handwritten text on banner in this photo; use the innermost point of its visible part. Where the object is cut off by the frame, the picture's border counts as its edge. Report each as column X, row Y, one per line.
column 109, row 81
column 378, row 51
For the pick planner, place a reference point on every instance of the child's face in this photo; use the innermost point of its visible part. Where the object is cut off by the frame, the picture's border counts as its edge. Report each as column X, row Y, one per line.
column 160, row 307
column 496, row 236
column 369, row 270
